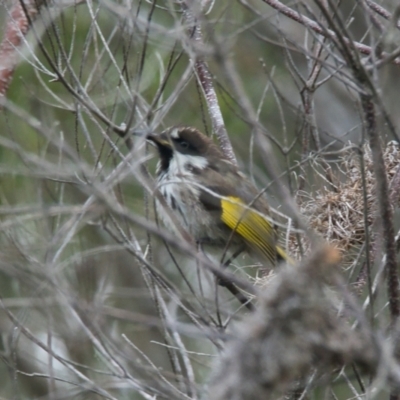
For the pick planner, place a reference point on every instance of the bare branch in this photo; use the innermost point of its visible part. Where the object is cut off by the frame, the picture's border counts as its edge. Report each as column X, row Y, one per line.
column 316, row 27
column 205, row 80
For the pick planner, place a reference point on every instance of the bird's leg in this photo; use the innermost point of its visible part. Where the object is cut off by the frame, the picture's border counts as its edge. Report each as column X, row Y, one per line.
column 229, row 285
column 235, row 255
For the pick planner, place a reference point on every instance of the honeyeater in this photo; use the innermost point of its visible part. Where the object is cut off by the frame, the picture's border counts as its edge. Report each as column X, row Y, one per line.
column 215, row 202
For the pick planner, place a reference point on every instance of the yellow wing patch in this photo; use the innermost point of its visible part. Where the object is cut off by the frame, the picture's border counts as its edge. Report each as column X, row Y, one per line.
column 253, row 227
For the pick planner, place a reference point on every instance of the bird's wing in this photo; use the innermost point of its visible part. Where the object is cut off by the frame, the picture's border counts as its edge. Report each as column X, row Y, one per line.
column 241, row 209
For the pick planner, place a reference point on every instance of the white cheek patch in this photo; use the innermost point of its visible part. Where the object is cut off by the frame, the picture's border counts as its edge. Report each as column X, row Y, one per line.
column 180, row 160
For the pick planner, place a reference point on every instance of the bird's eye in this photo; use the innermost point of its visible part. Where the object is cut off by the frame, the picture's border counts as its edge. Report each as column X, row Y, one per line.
column 184, row 145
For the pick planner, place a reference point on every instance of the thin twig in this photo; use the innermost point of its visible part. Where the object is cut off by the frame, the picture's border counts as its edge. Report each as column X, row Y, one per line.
column 316, row 27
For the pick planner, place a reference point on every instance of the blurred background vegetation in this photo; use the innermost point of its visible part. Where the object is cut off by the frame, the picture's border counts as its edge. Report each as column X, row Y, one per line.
column 88, row 295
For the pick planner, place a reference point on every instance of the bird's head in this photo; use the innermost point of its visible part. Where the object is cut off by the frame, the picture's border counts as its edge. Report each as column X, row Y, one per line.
column 186, row 146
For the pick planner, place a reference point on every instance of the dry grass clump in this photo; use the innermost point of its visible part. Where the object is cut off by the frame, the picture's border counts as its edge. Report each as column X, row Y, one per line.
column 295, row 331
column 303, row 331
column 337, row 210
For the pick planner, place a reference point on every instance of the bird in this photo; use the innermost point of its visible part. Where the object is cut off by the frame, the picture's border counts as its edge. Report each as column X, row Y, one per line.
column 210, row 197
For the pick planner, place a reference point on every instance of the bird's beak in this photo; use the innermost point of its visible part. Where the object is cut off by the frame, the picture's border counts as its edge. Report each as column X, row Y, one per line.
column 160, row 140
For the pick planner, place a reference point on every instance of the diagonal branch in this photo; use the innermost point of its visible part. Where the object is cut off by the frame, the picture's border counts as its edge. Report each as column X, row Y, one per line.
column 205, row 80
column 316, row 27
